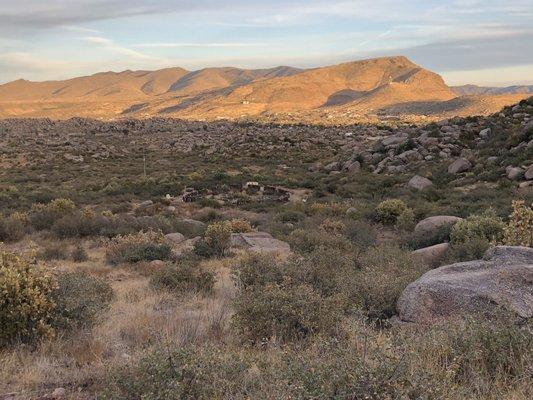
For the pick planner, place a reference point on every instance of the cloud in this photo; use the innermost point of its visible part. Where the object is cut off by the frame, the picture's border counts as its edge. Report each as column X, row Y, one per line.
column 109, row 45
column 171, row 45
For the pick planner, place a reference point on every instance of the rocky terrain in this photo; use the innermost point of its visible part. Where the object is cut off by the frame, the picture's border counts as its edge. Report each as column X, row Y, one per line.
column 359, row 91
column 163, row 258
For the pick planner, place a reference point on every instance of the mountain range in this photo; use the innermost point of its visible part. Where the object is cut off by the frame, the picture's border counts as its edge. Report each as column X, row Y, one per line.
column 361, row 88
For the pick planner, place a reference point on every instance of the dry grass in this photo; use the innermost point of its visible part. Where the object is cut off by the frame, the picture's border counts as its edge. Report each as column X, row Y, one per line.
column 138, row 318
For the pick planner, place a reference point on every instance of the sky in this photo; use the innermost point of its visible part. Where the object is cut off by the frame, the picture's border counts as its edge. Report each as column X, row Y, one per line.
column 487, row 42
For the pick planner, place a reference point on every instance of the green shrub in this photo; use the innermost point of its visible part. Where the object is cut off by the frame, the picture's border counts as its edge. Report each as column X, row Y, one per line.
column 257, row 270
column 406, row 220
column 142, row 246
column 385, row 272
column 326, row 369
column 43, row 216
column 284, row 313
column 80, row 300
column 308, row 240
column 183, row 277
column 519, row 230
column 483, row 226
column 472, row 249
column 13, row 228
column 25, row 300
column 218, row 237
column 388, row 211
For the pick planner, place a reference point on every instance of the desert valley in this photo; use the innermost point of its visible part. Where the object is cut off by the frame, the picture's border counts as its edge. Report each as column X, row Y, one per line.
column 349, row 231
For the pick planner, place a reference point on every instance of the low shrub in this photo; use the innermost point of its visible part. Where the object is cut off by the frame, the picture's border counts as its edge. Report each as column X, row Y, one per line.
column 14, row 227
column 361, row 233
column 284, row 313
column 308, row 240
column 53, row 251
column 142, row 246
column 483, row 226
column 43, row 216
column 218, row 237
column 80, row 299
column 406, row 220
column 79, row 254
column 238, row 225
column 26, row 303
column 388, row 211
column 183, row 277
column 519, row 230
column 385, row 272
column 472, row 249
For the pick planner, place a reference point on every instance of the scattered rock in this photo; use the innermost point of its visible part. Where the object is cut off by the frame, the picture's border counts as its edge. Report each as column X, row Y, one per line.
column 459, row 165
column 258, row 242
column 502, row 280
column 419, row 182
column 485, row 134
column 175, row 238
column 432, row 255
column 514, row 173
column 430, row 225
column 529, row 173
column 146, row 204
column 157, row 264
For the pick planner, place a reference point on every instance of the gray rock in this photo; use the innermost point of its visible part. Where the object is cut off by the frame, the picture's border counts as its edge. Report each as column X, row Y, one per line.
column 485, row 134
column 514, row 173
column 260, row 242
column 146, row 204
column 419, row 182
column 333, row 166
column 459, row 165
column 394, row 140
column 352, row 166
column 430, row 225
column 432, row 255
column 174, row 238
column 503, row 280
column 529, row 173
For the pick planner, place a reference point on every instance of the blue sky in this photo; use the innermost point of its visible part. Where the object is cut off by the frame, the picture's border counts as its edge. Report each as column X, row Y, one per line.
column 483, row 42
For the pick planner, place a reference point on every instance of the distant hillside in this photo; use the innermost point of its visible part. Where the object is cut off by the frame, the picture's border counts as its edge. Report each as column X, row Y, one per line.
column 467, row 90
column 363, row 88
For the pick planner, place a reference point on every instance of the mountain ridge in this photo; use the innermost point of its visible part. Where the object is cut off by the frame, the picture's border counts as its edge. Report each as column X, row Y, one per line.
column 364, row 87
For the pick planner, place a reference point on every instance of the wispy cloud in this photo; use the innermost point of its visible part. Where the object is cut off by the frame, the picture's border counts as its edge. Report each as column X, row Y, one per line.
column 222, row 45
column 110, row 45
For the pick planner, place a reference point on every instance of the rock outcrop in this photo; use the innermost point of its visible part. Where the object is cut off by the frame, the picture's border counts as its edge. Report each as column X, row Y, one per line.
column 502, row 280
column 258, row 242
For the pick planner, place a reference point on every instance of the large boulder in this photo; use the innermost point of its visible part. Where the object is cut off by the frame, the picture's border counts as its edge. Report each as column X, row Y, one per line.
column 502, row 280
column 258, row 242
column 431, row 225
column 459, row 165
column 419, row 182
column 432, row 255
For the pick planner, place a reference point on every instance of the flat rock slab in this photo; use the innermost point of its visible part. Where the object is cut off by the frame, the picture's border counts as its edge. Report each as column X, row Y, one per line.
column 502, row 280
column 258, row 242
